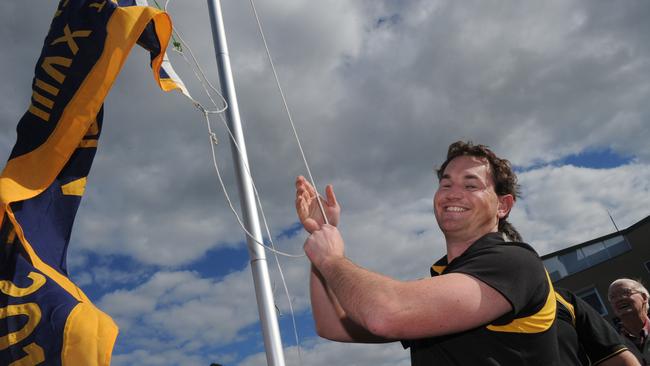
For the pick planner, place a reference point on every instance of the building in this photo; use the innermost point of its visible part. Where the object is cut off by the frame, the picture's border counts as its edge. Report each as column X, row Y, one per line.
column 587, row 269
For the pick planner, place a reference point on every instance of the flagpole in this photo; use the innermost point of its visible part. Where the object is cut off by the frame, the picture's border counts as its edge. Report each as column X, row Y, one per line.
column 265, row 302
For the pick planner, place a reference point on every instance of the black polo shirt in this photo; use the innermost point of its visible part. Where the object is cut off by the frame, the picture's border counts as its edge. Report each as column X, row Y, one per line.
column 524, row 336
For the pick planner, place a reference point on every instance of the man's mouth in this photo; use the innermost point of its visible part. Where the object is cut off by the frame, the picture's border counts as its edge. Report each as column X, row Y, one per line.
column 624, row 307
column 455, row 209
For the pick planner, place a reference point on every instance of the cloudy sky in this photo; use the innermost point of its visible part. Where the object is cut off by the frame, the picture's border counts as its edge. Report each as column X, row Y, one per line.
column 378, row 90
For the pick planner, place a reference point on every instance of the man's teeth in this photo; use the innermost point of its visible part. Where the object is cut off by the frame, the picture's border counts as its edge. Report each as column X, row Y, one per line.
column 455, row 209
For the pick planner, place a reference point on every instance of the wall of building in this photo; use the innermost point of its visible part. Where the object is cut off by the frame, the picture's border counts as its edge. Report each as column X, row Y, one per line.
column 631, row 264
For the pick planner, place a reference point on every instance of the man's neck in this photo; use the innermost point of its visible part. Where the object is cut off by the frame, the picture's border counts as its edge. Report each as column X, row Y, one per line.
column 633, row 325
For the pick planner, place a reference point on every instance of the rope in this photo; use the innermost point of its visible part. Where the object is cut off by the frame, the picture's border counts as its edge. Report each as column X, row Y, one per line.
column 268, row 233
column 206, row 85
column 213, row 142
column 273, row 250
column 286, row 108
column 200, row 75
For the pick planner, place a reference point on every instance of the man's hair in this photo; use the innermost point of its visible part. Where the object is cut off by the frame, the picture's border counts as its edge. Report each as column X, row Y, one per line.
column 505, row 179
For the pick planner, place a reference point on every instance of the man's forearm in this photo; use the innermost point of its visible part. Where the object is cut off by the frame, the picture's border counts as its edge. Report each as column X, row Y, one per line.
column 330, row 318
column 325, row 309
column 363, row 295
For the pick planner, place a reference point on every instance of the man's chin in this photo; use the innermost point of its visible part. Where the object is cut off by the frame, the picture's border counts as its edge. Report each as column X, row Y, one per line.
column 450, row 233
column 451, row 226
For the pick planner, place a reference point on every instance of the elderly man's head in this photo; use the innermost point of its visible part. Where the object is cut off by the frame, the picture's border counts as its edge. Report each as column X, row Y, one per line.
column 628, row 298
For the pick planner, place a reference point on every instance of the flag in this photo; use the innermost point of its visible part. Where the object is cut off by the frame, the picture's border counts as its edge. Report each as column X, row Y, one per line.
column 166, row 75
column 44, row 317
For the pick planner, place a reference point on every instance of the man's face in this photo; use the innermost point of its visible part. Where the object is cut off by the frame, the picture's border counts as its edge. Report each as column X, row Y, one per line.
column 626, row 301
column 466, row 205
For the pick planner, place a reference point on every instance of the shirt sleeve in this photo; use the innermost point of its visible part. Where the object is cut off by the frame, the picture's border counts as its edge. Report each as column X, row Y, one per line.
column 515, row 271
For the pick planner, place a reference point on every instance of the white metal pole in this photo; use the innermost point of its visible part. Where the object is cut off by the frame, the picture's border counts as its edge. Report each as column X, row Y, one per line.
column 265, row 302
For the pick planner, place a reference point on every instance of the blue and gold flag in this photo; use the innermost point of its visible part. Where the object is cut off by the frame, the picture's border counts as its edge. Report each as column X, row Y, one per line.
column 45, row 319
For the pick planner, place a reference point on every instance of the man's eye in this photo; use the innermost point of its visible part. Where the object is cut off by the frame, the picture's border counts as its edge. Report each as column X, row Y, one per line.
column 470, row 186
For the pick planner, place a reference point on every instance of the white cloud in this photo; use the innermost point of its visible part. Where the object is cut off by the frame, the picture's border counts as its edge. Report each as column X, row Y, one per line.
column 322, row 353
column 566, row 205
column 164, row 357
column 185, row 307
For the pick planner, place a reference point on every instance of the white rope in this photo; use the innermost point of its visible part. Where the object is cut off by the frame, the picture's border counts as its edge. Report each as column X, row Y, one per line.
column 213, row 141
column 286, row 108
column 205, row 83
column 273, row 250
column 200, row 75
column 302, row 152
column 266, row 226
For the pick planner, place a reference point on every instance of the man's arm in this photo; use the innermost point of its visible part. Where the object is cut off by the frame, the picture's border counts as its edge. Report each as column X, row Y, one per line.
column 398, row 310
column 330, row 319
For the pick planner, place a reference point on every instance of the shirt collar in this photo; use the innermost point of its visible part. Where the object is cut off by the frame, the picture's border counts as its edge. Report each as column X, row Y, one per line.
column 642, row 335
column 490, row 238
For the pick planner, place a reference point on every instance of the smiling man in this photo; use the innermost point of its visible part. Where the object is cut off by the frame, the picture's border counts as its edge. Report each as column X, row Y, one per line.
column 488, row 301
column 629, row 300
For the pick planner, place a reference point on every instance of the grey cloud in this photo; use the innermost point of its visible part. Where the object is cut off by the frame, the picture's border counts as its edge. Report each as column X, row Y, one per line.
column 184, row 309
column 332, row 353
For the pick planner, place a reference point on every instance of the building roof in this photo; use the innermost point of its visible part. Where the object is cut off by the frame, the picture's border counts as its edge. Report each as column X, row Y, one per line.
column 602, row 238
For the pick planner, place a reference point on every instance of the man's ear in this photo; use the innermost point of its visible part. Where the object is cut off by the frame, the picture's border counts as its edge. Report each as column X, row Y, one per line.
column 505, row 205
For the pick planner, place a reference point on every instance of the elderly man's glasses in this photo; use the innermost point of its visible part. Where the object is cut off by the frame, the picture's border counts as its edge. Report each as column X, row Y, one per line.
column 622, row 294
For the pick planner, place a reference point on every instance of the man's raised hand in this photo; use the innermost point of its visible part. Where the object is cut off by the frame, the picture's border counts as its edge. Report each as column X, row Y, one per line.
column 308, row 209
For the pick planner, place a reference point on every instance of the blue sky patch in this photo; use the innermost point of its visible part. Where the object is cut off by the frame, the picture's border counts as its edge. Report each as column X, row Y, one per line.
column 596, row 159
column 590, row 158
column 290, row 232
column 123, row 270
column 217, row 263
column 388, row 20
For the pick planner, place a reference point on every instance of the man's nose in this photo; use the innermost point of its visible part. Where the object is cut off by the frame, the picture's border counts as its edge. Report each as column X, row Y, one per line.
column 454, row 193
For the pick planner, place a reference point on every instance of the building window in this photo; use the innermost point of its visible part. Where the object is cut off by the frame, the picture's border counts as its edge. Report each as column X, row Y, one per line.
column 592, row 297
column 574, row 261
column 596, row 253
column 560, row 266
column 617, row 245
column 555, row 268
